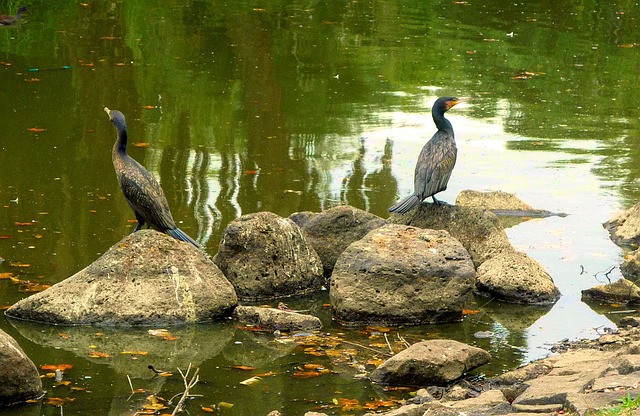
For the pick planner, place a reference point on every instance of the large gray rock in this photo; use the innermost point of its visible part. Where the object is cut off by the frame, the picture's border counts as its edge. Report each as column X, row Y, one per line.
column 271, row 318
column 266, row 256
column 478, row 230
column 19, row 378
column 399, row 274
column 148, row 278
column 433, row 362
column 330, row 232
column 515, row 277
column 624, row 228
column 480, row 233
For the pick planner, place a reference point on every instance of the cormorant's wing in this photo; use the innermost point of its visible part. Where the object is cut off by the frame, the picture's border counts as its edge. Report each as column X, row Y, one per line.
column 145, row 196
column 435, row 164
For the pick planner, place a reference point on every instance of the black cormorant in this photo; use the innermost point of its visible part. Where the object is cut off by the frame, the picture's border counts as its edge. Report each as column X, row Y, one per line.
column 141, row 190
column 9, row 20
column 436, row 160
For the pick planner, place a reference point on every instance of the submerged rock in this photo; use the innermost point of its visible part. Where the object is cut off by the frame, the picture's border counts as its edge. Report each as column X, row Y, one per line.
column 330, row 232
column 148, row 278
column 621, row 291
column 433, row 362
column 19, row 378
column 271, row 318
column 400, row 274
column 266, row 256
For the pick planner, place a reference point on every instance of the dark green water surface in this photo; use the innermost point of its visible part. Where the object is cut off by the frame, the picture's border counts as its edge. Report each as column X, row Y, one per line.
column 288, row 106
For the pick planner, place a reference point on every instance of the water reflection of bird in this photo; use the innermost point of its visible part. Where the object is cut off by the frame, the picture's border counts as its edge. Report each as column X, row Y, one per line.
column 436, row 160
column 141, row 190
column 9, row 20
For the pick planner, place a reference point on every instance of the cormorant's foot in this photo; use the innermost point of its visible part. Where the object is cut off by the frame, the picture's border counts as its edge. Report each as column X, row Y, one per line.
column 438, row 202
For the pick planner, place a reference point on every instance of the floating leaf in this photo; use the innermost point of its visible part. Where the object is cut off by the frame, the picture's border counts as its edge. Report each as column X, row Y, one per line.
column 379, row 403
column 64, row 336
column 24, row 224
column 149, row 106
column 54, row 367
column 470, row 311
column 6, row 275
column 141, row 144
column 55, row 401
column 225, row 405
column 251, row 381
column 5, row 237
column 134, row 353
column 98, row 354
column 36, row 129
column 251, row 172
column 62, row 383
column 18, row 264
column 252, row 328
column 267, row 374
column 162, row 333
column 76, row 388
column 306, row 374
column 206, row 409
column 243, row 367
column 347, row 405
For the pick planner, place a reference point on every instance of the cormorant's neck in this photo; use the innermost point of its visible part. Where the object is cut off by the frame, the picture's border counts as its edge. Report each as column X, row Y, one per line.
column 121, row 143
column 441, row 122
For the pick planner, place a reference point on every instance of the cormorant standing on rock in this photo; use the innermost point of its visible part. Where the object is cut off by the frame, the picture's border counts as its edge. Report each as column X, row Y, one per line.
column 141, row 190
column 435, row 162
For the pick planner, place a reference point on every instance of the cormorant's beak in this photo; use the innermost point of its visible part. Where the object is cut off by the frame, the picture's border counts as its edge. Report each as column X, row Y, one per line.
column 106, row 110
column 455, row 102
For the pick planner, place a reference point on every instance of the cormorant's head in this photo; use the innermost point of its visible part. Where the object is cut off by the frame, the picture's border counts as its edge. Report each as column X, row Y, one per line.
column 446, row 102
column 22, row 9
column 117, row 118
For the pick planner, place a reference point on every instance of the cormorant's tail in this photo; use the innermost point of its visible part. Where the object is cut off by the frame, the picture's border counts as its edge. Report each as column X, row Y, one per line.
column 405, row 205
column 178, row 234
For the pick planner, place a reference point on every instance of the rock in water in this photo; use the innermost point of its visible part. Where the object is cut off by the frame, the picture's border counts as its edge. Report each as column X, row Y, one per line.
column 266, row 256
column 19, row 378
column 330, row 232
column 399, row 274
column 426, row 363
column 624, row 228
column 515, row 277
column 148, row 278
column 271, row 318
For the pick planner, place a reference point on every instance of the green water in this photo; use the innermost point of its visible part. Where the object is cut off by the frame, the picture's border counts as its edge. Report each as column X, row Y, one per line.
column 288, row 106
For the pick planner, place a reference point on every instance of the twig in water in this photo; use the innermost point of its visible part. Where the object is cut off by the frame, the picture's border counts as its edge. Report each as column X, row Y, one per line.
column 404, row 341
column 388, row 345
column 188, row 384
column 130, row 384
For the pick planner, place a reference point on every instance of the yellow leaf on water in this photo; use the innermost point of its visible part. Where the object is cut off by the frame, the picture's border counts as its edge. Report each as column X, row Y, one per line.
column 134, row 353
column 250, row 381
column 243, row 367
column 98, row 354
